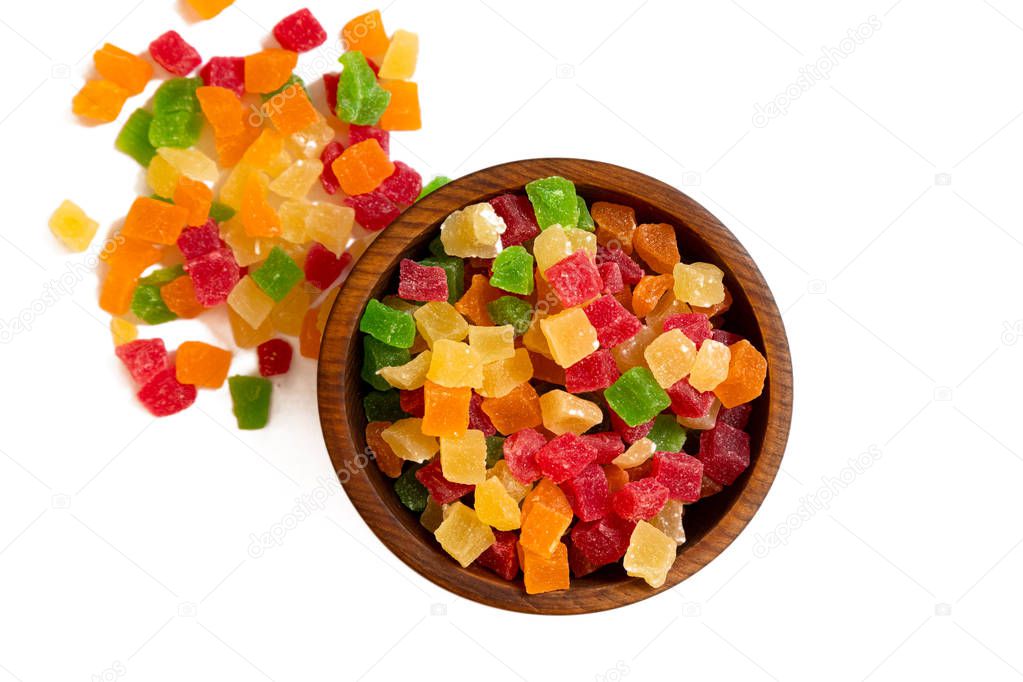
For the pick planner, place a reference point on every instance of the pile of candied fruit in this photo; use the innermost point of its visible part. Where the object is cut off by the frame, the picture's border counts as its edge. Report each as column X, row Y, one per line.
column 263, row 213
column 536, row 379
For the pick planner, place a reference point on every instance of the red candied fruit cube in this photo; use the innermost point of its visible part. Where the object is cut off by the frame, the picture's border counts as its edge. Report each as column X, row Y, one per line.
column 724, row 451
column 422, row 282
column 611, row 276
column 631, row 271
column 564, row 457
column 595, row 372
column 680, row 473
column 299, row 32
column 164, row 395
column 727, row 338
column 330, row 81
column 329, row 181
column 629, row 434
column 225, row 72
column 412, row 402
column 640, row 499
column 614, row 324
column 172, row 53
column 322, row 267
column 213, row 276
column 143, row 357
column 519, row 218
column 274, row 357
column 502, row 557
column 588, row 493
column 737, row 416
column 403, row 185
column 520, row 450
column 602, row 541
column 441, row 489
column 478, row 419
column 608, row 445
column 694, row 325
column 373, row 210
column 574, row 279
column 357, row 134
column 198, row 241
column 687, row 402
column 578, row 563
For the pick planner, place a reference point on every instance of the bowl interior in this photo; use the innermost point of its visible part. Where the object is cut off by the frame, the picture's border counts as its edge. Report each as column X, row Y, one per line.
column 710, row 524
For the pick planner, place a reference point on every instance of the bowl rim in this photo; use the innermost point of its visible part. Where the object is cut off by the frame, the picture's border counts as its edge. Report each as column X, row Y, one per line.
column 411, row 230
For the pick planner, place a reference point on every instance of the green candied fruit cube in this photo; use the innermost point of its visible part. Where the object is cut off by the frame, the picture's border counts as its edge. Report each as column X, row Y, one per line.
column 667, row 434
column 554, row 201
column 495, row 450
column 147, row 305
column 585, row 219
column 221, row 212
column 433, row 186
column 513, row 311
column 278, row 274
column 382, row 406
column 177, row 95
column 375, row 356
column 164, row 275
column 360, row 99
column 133, row 139
column 410, row 491
column 513, row 271
column 250, row 398
column 387, row 325
column 178, row 129
column 454, row 268
column 636, row 396
column 293, row 79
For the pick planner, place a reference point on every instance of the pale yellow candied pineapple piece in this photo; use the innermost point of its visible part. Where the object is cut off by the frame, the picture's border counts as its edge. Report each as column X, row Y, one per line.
column 330, row 224
column 289, row 312
column 250, row 302
column 463, row 535
column 455, row 364
column 569, row 335
column 297, row 179
column 438, row 320
column 516, row 488
column 411, row 375
column 162, row 178
column 463, row 459
column 495, row 507
column 699, row 284
column 670, row 357
column 669, row 521
column 551, row 246
column 399, row 61
column 566, row 413
column 493, row 343
column 711, row 366
column 122, row 331
column 71, row 225
column 473, row 232
column 191, row 163
column 500, row 377
column 408, row 441
column 581, row 240
column 247, row 250
column 637, row 453
column 650, row 555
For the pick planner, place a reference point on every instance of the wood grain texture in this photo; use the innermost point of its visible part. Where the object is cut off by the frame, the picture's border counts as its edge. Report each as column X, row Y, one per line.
column 711, row 525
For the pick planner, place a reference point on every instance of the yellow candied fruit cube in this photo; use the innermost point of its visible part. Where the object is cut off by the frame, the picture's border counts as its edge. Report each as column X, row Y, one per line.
column 551, row 246
column 516, row 488
column 162, row 177
column 309, row 142
column 191, row 163
column 711, row 366
column 233, row 187
column 698, row 284
column 637, row 453
column 296, row 181
column 399, row 61
column 581, row 240
column 122, row 331
column 669, row 521
column 566, row 413
column 534, row 339
column 502, row 376
column 289, row 312
column 569, row 335
column 495, row 507
column 463, row 535
column 292, row 215
column 250, row 302
column 493, row 343
column 670, row 356
column 463, row 459
column 331, row 225
column 630, row 353
column 473, row 232
column 438, row 320
column 246, row 336
column 408, row 441
column 71, row 225
column 650, row 555
column 411, row 375
column 247, row 250
column 455, row 364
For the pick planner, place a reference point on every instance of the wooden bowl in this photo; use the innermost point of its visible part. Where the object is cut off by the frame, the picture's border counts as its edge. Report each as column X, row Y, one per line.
column 710, row 524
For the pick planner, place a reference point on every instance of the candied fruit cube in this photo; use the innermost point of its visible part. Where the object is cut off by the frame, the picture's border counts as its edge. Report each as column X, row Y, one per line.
column 669, row 521
column 616, row 225
column 445, row 409
column 360, row 98
column 277, row 275
column 366, row 34
column 441, row 489
column 725, row 453
column 422, row 283
column 650, row 555
column 639, row 499
column 154, row 221
column 564, row 457
column 72, row 226
column 566, row 413
column 647, row 294
column 542, row 573
column 463, row 535
column 492, row 344
column 410, row 491
column 587, row 492
column 100, row 100
column 269, row 69
column 502, row 376
column 613, row 323
column 362, row 167
column 438, row 320
column 147, row 304
column 636, row 397
column 747, row 370
column 546, row 515
column 163, row 395
column 389, row 463
column 402, row 112
column 299, row 32
column 516, row 488
column 516, row 410
column 358, row 133
column 737, row 416
column 322, row 267
column 274, row 357
column 519, row 219
column 603, row 540
column 122, row 331
column 383, row 406
column 513, row 311
column 667, row 434
column 249, row 302
column 657, row 245
column 570, row 336
column 495, row 507
column 694, row 325
column 375, row 356
column 172, row 53
column 670, row 357
column 201, row 364
column 502, row 557
column 403, row 185
column 144, row 358
column 214, row 275
column 679, row 473
column 455, row 364
column 513, row 271
column 399, row 62
column 127, row 70
column 554, row 202
column 595, row 372
column 608, row 445
column 473, row 232
column 520, row 450
column 408, row 441
column 611, row 277
column 711, row 366
column 637, row 454
column 574, row 279
column 387, row 325
column 698, row 284
column 225, row 72
column 411, row 375
column 463, row 456
column 473, row 304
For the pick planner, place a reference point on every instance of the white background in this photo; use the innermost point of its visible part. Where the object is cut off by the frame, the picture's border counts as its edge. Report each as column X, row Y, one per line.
column 882, row 207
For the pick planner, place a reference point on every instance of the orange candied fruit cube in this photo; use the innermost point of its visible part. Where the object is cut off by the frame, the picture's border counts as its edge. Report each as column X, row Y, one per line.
column 388, row 462
column 123, row 68
column 264, row 151
column 445, row 410
column 222, row 109
column 544, row 574
column 657, row 245
column 207, row 9
column 747, row 370
column 402, row 112
column 518, row 409
column 550, row 495
column 366, row 34
column 268, row 70
column 231, row 148
column 290, row 110
column 362, row 167
column 179, row 296
column 131, row 255
column 473, row 303
column 309, row 337
column 154, row 221
column 257, row 215
column 100, row 100
column 648, row 292
column 201, row 364
column 195, row 197
column 615, row 224
column 117, row 289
